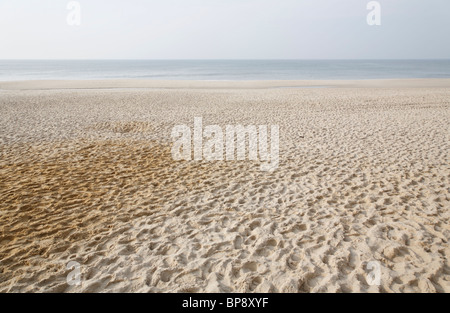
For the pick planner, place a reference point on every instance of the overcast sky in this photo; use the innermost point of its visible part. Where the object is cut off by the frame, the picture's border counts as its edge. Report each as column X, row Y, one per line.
column 224, row 29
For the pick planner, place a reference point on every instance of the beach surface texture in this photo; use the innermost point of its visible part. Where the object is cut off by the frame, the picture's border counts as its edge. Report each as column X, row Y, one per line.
column 358, row 203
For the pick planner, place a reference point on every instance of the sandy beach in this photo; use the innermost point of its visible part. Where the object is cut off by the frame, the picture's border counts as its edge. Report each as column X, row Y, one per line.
column 87, row 176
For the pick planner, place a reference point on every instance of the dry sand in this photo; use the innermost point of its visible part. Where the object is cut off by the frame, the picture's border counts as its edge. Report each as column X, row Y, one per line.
column 86, row 175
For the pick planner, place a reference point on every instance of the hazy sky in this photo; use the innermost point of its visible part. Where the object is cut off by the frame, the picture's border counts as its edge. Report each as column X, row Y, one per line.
column 224, row 29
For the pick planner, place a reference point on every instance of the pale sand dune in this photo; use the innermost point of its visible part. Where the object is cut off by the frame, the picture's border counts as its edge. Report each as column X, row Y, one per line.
column 87, row 176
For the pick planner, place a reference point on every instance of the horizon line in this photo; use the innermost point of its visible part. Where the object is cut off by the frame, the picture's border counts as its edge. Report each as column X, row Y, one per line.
column 246, row 59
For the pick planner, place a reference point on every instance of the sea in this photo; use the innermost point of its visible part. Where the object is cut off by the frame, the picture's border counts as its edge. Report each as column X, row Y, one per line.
column 222, row 70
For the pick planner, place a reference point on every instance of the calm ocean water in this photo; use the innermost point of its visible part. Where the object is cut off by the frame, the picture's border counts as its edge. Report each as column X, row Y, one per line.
column 222, row 69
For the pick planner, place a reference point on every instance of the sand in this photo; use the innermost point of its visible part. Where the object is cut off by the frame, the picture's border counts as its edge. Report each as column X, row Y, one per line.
column 86, row 175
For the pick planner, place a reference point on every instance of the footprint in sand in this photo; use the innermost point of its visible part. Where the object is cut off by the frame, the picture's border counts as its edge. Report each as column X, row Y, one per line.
column 267, row 248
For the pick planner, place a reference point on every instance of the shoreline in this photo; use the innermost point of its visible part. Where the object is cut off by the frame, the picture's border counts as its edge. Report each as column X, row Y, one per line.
column 232, row 84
